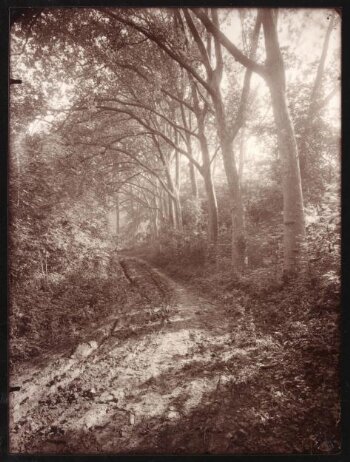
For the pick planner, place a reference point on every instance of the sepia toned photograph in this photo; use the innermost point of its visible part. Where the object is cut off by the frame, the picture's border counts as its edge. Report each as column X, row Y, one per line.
column 174, row 231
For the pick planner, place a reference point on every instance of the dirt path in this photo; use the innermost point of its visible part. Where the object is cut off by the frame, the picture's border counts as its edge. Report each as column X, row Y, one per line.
column 115, row 394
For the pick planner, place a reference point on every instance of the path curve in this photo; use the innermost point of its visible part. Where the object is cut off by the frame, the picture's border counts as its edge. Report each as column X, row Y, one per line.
column 115, row 389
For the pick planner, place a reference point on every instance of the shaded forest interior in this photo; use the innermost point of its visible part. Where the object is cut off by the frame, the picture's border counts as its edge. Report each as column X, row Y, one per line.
column 174, row 199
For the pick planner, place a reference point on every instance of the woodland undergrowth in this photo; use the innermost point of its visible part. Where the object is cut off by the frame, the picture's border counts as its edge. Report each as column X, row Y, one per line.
column 292, row 398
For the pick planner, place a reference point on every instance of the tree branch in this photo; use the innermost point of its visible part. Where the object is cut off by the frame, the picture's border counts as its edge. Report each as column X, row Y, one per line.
column 179, row 59
column 235, row 52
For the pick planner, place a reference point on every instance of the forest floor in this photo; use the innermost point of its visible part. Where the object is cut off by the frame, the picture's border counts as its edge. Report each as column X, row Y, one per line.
column 178, row 372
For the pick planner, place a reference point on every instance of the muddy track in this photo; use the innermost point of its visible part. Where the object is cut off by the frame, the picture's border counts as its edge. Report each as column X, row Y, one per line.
column 142, row 372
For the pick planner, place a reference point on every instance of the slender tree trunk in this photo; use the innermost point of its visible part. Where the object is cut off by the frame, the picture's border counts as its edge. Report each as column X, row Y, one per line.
column 293, row 212
column 209, row 187
column 237, row 209
column 178, row 212
column 212, row 207
column 165, row 210
column 177, row 171
column 242, row 147
column 174, row 201
column 225, row 137
column 193, row 179
column 176, row 187
column 160, row 203
column 206, row 170
column 171, row 212
column 274, row 74
column 192, row 170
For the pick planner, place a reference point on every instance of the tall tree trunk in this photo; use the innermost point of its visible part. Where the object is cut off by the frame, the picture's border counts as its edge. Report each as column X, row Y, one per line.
column 192, row 170
column 242, row 148
column 171, row 212
column 213, row 227
column 165, row 207
column 178, row 212
column 274, row 74
column 212, row 207
column 160, row 201
column 237, row 209
column 176, row 187
column 193, row 179
column 293, row 212
column 174, row 201
column 177, row 170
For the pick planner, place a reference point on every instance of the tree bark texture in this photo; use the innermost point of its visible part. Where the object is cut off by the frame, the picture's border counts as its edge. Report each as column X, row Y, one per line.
column 237, row 209
column 213, row 221
column 293, row 211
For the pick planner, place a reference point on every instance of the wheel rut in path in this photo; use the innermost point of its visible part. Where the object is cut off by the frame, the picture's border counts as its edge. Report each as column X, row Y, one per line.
column 108, row 394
